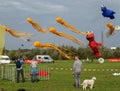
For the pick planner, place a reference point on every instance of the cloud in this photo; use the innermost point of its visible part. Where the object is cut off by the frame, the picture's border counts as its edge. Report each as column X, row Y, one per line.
column 37, row 7
column 83, row 14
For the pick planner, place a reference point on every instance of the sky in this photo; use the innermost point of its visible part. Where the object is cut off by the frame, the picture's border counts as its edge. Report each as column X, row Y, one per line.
column 85, row 15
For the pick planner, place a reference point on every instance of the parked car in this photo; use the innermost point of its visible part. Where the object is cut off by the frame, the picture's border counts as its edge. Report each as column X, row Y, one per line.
column 4, row 59
column 44, row 58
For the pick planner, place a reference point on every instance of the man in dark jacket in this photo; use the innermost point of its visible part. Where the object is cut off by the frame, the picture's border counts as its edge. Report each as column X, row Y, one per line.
column 19, row 69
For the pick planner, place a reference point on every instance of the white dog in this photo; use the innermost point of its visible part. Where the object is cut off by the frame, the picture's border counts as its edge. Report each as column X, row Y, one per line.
column 87, row 82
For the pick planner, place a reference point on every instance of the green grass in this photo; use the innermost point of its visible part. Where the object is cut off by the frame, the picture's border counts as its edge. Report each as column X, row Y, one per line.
column 62, row 80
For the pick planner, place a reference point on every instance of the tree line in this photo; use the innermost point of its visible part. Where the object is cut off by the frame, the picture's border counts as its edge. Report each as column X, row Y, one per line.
column 83, row 53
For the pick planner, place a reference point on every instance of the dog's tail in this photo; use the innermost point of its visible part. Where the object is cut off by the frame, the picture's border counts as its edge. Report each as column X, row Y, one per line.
column 82, row 84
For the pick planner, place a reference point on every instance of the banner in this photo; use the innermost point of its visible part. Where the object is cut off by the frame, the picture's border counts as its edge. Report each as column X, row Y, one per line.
column 114, row 60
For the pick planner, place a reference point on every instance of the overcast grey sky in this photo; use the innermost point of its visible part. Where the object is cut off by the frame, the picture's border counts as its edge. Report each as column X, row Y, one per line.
column 83, row 14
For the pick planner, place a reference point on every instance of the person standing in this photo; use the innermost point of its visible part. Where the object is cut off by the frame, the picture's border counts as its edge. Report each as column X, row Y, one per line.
column 19, row 68
column 34, row 71
column 77, row 68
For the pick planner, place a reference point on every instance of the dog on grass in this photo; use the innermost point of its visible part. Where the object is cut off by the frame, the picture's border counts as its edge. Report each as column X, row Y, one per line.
column 88, row 82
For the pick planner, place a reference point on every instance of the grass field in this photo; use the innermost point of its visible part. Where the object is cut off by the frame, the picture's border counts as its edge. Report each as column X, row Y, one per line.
column 61, row 78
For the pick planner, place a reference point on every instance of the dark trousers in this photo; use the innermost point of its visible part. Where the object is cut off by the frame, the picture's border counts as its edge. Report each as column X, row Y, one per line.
column 18, row 75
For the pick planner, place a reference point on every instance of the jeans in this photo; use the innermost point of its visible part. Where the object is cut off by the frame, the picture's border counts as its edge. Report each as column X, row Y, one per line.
column 34, row 78
column 34, row 72
column 77, row 79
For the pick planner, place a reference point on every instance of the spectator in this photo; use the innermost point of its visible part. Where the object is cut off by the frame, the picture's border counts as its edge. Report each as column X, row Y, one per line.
column 77, row 68
column 19, row 68
column 34, row 71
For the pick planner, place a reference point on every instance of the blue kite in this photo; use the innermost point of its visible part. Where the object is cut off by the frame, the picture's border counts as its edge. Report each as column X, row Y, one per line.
column 107, row 12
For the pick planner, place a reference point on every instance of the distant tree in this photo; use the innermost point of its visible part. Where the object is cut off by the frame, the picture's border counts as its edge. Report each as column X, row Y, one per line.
column 83, row 53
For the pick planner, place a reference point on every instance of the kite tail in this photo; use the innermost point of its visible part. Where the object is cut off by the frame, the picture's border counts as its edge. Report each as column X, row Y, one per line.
column 62, row 53
column 37, row 26
column 69, row 37
column 69, row 26
column 72, row 28
column 40, row 45
column 73, row 39
column 13, row 33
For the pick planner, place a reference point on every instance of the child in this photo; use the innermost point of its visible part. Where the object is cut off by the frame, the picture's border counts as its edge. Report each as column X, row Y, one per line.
column 34, row 71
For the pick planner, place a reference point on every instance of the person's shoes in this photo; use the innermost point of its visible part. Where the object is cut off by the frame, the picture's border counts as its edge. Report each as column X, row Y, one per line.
column 32, row 80
column 74, row 85
column 78, row 86
column 37, row 80
column 23, row 81
column 17, row 81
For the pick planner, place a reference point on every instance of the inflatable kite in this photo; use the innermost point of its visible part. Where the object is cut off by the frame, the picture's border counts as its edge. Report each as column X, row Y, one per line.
column 36, row 25
column 69, row 37
column 41, row 45
column 101, row 60
column 112, row 28
column 89, row 36
column 14, row 33
column 2, row 39
column 107, row 12
column 69, row 26
column 117, row 28
column 93, row 44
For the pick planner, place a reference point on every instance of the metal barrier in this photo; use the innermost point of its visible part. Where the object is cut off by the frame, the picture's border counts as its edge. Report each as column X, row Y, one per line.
column 8, row 72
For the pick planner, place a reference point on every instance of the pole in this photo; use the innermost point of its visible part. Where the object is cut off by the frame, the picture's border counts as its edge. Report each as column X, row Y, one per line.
column 102, row 38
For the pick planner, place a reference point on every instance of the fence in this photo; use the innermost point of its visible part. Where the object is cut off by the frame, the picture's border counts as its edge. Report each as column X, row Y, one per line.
column 8, row 72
